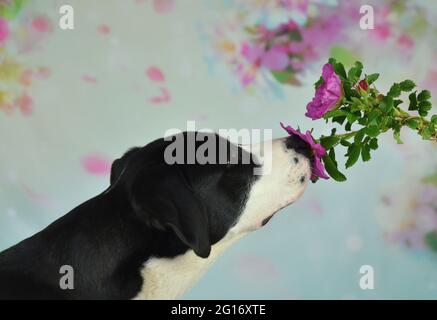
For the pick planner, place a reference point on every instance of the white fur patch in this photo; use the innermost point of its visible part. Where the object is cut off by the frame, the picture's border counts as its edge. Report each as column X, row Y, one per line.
column 170, row 278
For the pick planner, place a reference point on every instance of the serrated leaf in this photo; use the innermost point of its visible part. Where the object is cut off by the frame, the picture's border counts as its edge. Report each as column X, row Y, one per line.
column 329, row 142
column 397, row 102
column 412, row 124
column 372, row 131
column 353, row 155
column 373, row 144
column 424, row 95
column 425, row 105
column 407, row 85
column 352, row 117
column 386, row 104
column 334, row 113
column 427, row 133
column 340, row 71
column 372, row 78
column 359, row 136
column 395, row 90
column 332, row 169
column 413, row 101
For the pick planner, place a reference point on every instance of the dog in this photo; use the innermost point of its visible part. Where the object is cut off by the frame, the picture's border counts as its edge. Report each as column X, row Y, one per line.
column 155, row 230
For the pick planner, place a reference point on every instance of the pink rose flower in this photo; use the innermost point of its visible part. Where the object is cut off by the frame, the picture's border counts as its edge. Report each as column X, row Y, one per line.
column 328, row 94
column 317, row 167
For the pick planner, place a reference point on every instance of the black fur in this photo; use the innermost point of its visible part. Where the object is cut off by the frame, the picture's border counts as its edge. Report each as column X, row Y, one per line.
column 150, row 209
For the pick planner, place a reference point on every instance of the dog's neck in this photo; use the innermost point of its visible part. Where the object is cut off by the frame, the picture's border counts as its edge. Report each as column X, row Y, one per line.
column 170, row 278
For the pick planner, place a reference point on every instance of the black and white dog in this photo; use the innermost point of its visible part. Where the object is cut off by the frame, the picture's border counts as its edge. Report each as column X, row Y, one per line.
column 157, row 227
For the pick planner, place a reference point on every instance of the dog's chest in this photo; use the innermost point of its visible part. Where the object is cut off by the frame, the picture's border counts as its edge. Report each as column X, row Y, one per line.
column 170, row 278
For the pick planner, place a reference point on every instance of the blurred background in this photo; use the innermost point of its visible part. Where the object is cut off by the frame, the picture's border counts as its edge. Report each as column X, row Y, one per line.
column 72, row 101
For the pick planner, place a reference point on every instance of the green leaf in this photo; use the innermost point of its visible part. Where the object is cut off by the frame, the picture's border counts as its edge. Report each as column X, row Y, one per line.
column 413, row 101
column 365, row 153
column 332, row 156
column 339, row 120
column 407, row 85
column 332, row 169
column 372, row 78
column 412, row 124
column 355, row 72
column 339, row 70
column 431, row 240
column 386, row 104
column 425, row 105
column 428, row 132
column 359, row 67
column 345, row 143
column 434, row 119
column 395, row 90
column 329, row 142
column 359, row 136
column 424, row 95
column 373, row 144
column 334, row 113
column 373, row 115
column 353, row 155
column 397, row 102
column 352, row 117
column 372, row 131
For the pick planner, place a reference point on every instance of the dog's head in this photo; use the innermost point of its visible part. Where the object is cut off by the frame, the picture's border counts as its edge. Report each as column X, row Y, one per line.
column 200, row 202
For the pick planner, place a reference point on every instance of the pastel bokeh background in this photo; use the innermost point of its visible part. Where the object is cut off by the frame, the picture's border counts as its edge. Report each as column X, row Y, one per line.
column 71, row 101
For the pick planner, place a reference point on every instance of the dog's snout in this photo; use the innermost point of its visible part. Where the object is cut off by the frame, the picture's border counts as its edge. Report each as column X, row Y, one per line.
column 299, row 146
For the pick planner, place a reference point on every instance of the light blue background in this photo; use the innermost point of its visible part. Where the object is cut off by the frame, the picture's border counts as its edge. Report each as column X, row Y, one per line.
column 305, row 251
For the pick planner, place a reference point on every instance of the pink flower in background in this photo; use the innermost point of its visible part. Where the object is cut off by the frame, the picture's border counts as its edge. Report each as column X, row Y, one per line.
column 103, row 29
column 41, row 24
column 89, row 78
column 276, row 58
column 405, row 41
column 25, row 103
column 163, row 6
column 96, row 164
column 163, row 98
column 4, row 30
column 328, row 94
column 317, row 167
column 155, row 74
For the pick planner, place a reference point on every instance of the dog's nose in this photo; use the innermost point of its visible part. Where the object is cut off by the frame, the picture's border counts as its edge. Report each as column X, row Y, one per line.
column 298, row 145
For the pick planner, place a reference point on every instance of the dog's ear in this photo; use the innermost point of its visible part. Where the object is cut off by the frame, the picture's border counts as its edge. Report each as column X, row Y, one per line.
column 162, row 197
column 118, row 165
